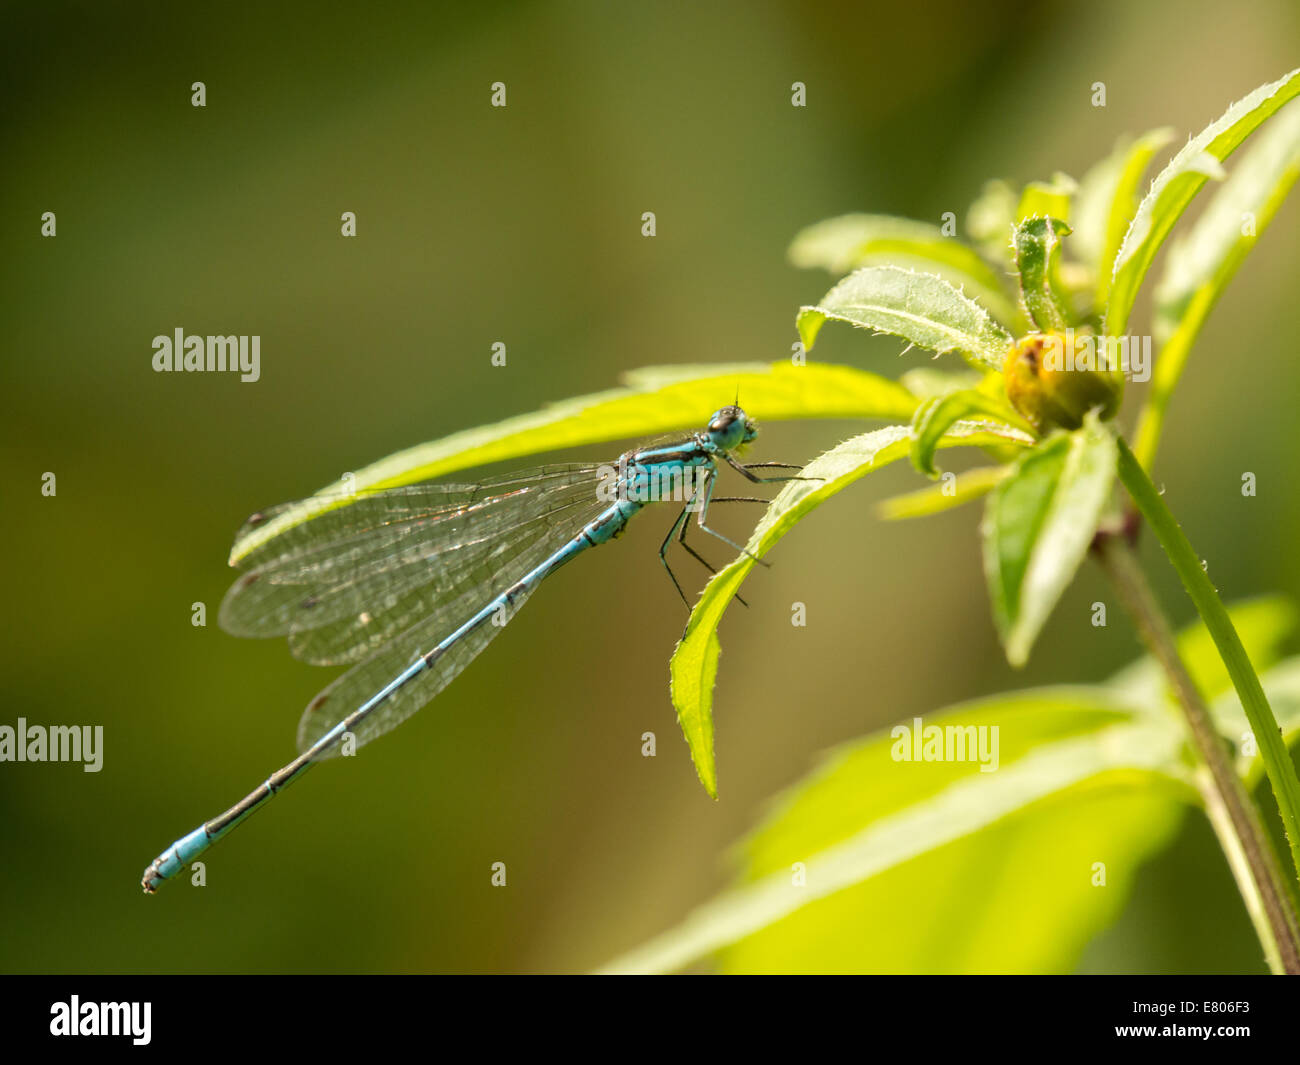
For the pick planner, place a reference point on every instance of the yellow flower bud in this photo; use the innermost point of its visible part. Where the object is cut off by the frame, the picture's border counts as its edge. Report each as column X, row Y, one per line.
column 1054, row 379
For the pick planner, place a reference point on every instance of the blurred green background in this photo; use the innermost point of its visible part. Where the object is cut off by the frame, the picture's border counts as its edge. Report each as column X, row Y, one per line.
column 523, row 225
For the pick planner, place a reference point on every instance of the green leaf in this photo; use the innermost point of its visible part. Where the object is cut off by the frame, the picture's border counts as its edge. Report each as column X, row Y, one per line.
column 654, row 400
column 1038, row 525
column 1176, row 185
column 1264, row 624
column 1200, row 265
column 936, row 498
column 1282, row 686
column 1208, row 256
column 1108, row 198
column 693, row 673
column 694, row 665
column 1016, row 897
column 934, row 417
column 881, row 840
column 1096, row 777
column 855, row 240
column 1047, row 198
column 1037, row 243
column 928, row 382
column 921, row 308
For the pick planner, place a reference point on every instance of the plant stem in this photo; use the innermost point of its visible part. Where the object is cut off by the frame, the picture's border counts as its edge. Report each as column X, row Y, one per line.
column 1230, row 807
column 1277, row 759
column 1217, row 812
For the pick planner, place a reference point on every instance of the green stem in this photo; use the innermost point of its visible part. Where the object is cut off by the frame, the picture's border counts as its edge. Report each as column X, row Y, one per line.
column 1277, row 759
column 1238, row 861
column 1235, row 818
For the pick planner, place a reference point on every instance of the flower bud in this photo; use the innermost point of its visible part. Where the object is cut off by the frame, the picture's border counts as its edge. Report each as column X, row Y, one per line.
column 1054, row 379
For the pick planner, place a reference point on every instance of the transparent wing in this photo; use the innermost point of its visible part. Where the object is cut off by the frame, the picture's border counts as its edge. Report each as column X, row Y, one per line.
column 387, row 577
column 343, row 584
column 527, row 548
column 362, row 681
column 363, row 512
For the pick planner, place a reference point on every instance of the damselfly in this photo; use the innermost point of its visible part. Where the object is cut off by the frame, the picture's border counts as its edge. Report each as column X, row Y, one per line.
column 408, row 585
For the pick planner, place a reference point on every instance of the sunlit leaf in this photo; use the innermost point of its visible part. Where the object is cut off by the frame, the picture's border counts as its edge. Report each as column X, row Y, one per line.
column 1038, row 524
column 1107, row 201
column 927, row 382
column 934, row 417
column 884, row 838
column 695, row 661
column 1047, row 198
column 1095, row 776
column 1264, row 624
column 855, row 240
column 1239, row 211
column 1176, row 185
column 957, row 490
column 654, row 400
column 1200, row 265
column 1282, row 686
column 1016, row 897
column 921, row 308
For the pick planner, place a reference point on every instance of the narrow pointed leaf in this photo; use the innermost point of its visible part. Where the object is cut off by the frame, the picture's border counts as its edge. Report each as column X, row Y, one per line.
column 653, row 400
column 921, row 308
column 936, row 498
column 935, row 417
column 928, row 382
column 1038, row 524
column 694, row 665
column 1107, row 201
column 855, row 240
column 1236, row 216
column 1177, row 184
column 1200, row 265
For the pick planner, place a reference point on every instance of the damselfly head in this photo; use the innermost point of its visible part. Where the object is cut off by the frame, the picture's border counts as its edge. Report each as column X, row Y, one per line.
column 730, row 427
